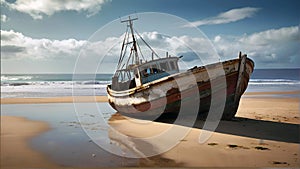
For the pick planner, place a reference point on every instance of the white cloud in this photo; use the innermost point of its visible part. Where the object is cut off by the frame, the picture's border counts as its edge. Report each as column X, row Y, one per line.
column 193, row 49
column 4, row 18
column 270, row 48
column 46, row 55
column 15, row 45
column 37, row 8
column 282, row 35
column 232, row 15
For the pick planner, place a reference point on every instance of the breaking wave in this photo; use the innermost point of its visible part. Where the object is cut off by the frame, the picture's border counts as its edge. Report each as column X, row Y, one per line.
column 274, row 82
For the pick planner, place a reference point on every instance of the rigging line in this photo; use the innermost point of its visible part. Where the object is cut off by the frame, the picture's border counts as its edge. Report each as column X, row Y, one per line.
column 147, row 44
column 122, row 66
column 128, row 75
column 121, row 57
column 132, row 60
column 124, row 54
column 126, row 43
column 140, row 51
column 128, row 58
column 127, row 40
column 123, row 44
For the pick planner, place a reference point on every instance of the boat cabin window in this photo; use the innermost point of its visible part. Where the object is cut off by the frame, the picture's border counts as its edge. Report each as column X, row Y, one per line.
column 123, row 80
column 172, row 64
column 164, row 66
column 150, row 70
column 156, row 70
column 145, row 72
column 124, row 76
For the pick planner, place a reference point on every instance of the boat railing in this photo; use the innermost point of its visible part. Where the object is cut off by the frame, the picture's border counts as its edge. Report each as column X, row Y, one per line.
column 125, row 85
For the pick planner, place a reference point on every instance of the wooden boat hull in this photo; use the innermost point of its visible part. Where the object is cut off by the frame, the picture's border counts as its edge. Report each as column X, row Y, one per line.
column 165, row 97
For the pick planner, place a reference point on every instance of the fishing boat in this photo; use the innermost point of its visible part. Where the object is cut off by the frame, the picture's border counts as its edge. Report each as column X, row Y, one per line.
column 149, row 89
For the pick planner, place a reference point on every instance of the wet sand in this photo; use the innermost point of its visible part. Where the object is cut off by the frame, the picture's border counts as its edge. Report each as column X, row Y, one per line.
column 265, row 133
column 15, row 151
column 67, row 99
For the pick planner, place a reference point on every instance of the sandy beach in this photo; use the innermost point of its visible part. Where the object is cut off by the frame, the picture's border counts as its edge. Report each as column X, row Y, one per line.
column 15, row 152
column 265, row 133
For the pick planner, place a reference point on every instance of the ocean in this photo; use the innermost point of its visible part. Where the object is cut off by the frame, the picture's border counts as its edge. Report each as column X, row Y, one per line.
column 53, row 85
column 56, row 85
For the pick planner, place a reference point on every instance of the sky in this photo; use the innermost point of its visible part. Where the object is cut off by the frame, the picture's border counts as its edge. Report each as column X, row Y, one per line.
column 54, row 36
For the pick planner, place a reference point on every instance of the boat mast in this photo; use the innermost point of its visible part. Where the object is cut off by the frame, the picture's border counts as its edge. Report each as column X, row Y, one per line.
column 130, row 24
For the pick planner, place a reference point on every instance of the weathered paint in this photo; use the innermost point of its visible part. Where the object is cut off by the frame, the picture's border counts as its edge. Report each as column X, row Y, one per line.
column 162, row 95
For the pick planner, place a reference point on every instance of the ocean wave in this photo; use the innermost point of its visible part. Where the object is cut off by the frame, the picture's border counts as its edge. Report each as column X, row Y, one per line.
column 54, row 83
column 95, row 82
column 15, row 77
column 273, row 82
column 19, row 84
column 52, row 89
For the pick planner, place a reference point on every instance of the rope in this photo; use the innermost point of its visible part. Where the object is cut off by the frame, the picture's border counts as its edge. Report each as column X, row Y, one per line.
column 121, row 54
column 147, row 44
column 140, row 51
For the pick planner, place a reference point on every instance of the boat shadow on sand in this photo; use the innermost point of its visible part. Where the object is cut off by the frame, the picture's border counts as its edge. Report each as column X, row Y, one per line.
column 246, row 127
column 260, row 129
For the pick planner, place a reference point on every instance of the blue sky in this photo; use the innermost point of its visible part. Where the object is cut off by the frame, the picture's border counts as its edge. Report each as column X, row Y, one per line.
column 268, row 30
